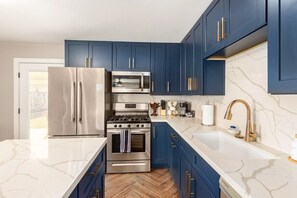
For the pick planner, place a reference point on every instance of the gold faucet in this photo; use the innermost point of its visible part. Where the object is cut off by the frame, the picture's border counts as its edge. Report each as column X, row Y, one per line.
column 250, row 136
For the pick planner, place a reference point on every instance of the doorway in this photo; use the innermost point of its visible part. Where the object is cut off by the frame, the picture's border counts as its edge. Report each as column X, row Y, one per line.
column 31, row 97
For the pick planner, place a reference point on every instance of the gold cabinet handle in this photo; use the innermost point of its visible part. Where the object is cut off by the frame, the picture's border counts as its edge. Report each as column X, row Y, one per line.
column 86, row 61
column 96, row 171
column 189, row 185
column 189, row 84
column 223, row 28
column 187, row 182
column 191, row 193
column 218, row 32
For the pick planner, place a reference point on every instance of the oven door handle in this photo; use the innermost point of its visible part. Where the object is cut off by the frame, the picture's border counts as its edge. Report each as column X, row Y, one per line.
column 132, row 133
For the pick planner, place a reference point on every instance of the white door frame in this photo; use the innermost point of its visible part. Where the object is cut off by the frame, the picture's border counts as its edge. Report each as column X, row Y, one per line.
column 16, row 86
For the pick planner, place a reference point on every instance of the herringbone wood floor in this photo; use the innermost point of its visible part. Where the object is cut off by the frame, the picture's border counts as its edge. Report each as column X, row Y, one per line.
column 156, row 184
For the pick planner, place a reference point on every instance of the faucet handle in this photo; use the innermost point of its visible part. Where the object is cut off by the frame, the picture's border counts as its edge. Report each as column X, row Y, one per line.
column 252, row 137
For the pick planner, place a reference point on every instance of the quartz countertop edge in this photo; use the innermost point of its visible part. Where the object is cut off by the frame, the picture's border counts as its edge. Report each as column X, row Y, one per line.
column 46, row 168
column 250, row 178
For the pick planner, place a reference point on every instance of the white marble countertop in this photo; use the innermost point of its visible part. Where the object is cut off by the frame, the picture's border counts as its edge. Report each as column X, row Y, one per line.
column 258, row 178
column 45, row 168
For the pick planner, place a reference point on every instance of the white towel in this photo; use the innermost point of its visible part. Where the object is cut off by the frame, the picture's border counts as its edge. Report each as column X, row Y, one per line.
column 128, row 146
column 122, row 141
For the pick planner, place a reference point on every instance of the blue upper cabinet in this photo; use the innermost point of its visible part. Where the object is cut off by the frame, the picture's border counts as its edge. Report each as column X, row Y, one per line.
column 88, row 54
column 282, row 42
column 141, row 57
column 131, row 56
column 189, row 61
column 76, row 53
column 100, row 54
column 212, row 27
column 242, row 17
column 173, row 69
column 122, row 56
column 229, row 21
column 197, row 82
column 158, row 67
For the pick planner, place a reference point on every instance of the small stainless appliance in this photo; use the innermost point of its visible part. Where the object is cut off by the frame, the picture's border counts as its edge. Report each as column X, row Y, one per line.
column 226, row 190
column 183, row 108
column 79, row 101
column 130, row 82
column 129, row 139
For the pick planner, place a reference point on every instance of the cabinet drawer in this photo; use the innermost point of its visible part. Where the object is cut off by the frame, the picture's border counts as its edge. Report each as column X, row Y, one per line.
column 187, row 151
column 173, row 136
column 208, row 174
column 87, row 182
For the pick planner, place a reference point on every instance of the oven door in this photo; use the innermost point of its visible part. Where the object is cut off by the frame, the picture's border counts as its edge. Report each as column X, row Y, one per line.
column 140, row 145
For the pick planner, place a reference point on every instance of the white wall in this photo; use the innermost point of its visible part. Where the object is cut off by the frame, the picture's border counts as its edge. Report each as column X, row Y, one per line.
column 9, row 51
column 246, row 77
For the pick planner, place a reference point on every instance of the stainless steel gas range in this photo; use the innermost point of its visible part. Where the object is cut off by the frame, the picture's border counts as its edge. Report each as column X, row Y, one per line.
column 129, row 138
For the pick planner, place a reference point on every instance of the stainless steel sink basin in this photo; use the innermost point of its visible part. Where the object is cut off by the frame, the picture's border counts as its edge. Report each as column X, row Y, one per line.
column 231, row 147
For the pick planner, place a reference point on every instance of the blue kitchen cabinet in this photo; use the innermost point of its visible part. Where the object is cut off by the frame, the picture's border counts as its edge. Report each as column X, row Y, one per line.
column 74, row 193
column 212, row 27
column 95, row 54
column 197, row 82
column 242, row 17
column 174, row 157
column 76, row 53
column 198, row 188
column 282, row 41
column 189, row 61
column 185, row 176
column 173, row 69
column 92, row 183
column 141, row 57
column 100, row 54
column 159, row 145
column 228, row 21
column 214, row 77
column 122, row 57
column 131, row 56
column 158, row 69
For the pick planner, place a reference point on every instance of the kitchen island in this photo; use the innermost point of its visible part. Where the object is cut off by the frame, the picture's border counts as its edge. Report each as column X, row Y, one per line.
column 47, row 168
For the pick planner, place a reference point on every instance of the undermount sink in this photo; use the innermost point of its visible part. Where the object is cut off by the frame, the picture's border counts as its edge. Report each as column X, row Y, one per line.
column 231, row 147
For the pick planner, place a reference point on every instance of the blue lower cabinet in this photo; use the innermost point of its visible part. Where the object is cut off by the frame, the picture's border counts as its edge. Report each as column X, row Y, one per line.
column 185, row 176
column 198, row 188
column 92, row 183
column 159, row 145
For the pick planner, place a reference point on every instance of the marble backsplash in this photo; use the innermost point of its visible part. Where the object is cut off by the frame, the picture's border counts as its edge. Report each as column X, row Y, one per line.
column 274, row 116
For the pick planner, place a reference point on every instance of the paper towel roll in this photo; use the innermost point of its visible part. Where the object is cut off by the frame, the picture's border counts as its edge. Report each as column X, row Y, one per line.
column 207, row 114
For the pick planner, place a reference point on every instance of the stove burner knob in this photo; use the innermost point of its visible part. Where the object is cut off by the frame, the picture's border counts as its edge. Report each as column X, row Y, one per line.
column 142, row 125
column 115, row 126
column 137, row 125
column 129, row 125
column 120, row 125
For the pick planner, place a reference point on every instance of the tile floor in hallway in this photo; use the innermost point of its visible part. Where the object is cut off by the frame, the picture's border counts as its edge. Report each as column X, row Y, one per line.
column 158, row 184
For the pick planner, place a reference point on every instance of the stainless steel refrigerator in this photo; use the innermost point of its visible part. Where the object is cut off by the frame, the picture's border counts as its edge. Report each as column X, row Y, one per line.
column 79, row 101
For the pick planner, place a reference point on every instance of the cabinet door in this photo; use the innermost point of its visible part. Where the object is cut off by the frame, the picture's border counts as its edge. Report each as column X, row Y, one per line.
column 242, row 17
column 183, row 81
column 159, row 144
column 140, row 57
column 158, row 69
column 122, row 58
column 174, row 162
column 282, row 53
column 212, row 26
column 189, row 61
column 185, row 173
column 197, row 86
column 198, row 188
column 101, row 54
column 172, row 69
column 76, row 53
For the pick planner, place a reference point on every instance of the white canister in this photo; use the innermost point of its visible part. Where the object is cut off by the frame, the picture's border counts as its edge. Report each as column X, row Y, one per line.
column 207, row 115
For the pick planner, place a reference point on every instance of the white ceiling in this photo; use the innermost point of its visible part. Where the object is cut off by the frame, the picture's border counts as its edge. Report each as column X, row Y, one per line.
column 53, row 21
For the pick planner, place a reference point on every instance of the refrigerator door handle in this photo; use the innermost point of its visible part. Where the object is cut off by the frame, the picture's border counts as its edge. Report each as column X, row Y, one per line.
column 73, row 94
column 80, row 101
